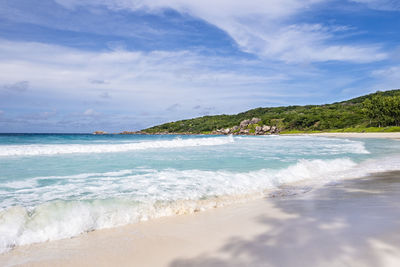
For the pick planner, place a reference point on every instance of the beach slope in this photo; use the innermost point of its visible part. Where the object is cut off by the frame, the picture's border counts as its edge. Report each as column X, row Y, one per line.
column 352, row 223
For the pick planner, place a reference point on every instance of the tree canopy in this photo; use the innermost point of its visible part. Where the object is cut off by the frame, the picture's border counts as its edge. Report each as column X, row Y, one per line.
column 377, row 109
column 382, row 110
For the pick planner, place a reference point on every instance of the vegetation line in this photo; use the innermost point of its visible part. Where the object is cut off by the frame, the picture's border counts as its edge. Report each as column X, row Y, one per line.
column 377, row 112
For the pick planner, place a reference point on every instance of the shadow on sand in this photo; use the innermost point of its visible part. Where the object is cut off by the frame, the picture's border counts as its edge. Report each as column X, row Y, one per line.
column 354, row 223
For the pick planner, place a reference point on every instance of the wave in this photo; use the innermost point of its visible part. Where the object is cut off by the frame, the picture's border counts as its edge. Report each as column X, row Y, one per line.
column 146, row 194
column 47, row 149
column 310, row 144
column 164, row 185
column 65, row 219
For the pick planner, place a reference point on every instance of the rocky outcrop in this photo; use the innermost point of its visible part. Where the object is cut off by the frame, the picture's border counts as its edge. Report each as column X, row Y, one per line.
column 244, row 124
column 99, row 132
column 244, row 131
column 266, row 128
column 248, row 127
column 255, row 120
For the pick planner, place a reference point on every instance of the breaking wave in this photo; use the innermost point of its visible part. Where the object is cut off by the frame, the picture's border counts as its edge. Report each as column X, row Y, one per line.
column 52, row 149
column 139, row 196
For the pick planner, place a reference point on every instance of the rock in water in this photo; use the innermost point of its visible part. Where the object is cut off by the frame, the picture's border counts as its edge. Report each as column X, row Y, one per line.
column 99, row 132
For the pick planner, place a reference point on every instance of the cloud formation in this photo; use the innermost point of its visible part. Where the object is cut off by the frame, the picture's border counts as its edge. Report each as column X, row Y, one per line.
column 173, row 107
column 121, row 64
column 91, row 113
column 387, row 78
column 105, row 95
column 139, row 82
column 265, row 28
column 387, row 5
column 142, row 74
column 18, row 87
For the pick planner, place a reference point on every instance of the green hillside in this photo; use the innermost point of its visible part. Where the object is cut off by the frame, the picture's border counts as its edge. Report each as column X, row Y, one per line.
column 380, row 109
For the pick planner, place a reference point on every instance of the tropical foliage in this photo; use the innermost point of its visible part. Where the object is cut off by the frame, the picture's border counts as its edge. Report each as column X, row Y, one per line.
column 383, row 110
column 374, row 110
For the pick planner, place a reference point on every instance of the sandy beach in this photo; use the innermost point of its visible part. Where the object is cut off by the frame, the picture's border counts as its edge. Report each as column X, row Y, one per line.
column 352, row 223
column 139, row 133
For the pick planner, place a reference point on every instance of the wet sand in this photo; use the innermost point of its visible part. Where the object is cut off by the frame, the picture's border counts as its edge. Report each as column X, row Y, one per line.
column 352, row 223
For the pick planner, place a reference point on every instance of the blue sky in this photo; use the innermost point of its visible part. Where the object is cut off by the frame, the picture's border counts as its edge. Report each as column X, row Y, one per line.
column 85, row 65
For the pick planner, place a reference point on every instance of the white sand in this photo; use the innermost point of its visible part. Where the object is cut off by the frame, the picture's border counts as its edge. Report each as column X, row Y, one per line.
column 355, row 223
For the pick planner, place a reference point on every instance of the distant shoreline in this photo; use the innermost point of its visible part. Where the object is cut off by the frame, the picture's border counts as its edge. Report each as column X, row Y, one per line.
column 395, row 135
column 388, row 135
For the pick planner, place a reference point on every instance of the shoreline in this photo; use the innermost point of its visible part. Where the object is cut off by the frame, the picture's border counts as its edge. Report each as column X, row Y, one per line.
column 354, row 222
column 388, row 135
column 394, row 135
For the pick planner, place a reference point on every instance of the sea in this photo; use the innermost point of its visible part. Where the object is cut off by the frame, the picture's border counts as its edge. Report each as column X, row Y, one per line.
column 55, row 186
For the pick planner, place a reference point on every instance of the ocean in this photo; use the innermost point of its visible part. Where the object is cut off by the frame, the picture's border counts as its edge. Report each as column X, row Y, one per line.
column 55, row 186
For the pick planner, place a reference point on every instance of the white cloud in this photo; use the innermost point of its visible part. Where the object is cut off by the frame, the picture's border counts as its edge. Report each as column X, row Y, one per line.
column 206, row 9
column 105, row 95
column 19, row 87
column 387, row 5
column 261, row 27
column 125, row 70
column 387, row 78
column 91, row 112
column 148, row 82
column 173, row 107
column 136, row 80
column 390, row 72
column 305, row 43
column 38, row 116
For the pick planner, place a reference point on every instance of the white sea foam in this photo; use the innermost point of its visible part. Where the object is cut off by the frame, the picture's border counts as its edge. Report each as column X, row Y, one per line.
column 52, row 149
column 136, row 196
column 310, row 144
column 163, row 185
column 63, row 219
column 32, row 182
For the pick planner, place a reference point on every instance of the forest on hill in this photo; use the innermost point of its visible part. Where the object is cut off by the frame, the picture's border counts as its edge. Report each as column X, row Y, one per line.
column 380, row 109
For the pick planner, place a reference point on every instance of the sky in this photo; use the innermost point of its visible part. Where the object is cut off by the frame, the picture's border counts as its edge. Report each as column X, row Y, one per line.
column 76, row 66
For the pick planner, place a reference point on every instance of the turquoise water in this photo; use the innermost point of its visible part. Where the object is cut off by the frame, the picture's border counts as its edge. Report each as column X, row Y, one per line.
column 59, row 186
